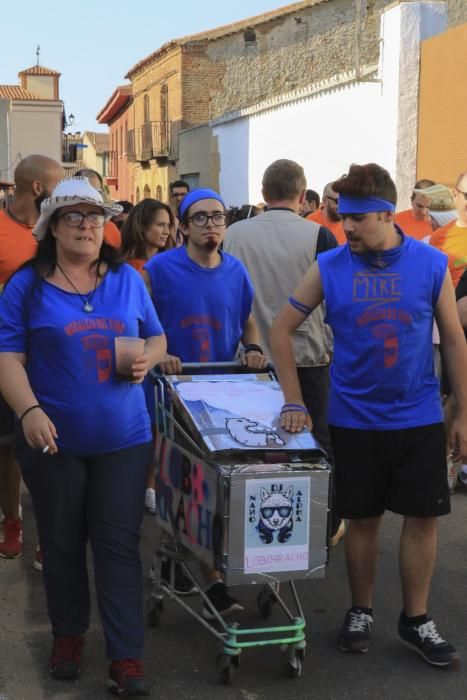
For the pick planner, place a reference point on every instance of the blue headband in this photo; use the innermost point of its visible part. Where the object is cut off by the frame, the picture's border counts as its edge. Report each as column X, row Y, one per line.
column 349, row 204
column 196, row 196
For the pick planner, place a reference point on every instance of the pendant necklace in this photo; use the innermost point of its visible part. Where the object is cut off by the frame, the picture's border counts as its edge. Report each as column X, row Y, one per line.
column 87, row 306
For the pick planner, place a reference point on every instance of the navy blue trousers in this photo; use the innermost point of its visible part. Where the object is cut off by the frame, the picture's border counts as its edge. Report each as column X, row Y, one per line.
column 99, row 499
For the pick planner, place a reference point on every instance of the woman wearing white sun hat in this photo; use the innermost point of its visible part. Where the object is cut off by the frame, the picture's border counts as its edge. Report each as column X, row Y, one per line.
column 86, row 439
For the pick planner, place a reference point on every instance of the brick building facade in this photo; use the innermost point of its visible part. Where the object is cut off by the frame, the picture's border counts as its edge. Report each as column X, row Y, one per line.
column 117, row 113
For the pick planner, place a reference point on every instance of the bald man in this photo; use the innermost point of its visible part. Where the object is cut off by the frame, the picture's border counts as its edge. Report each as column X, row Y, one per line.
column 327, row 215
column 35, row 177
column 452, row 238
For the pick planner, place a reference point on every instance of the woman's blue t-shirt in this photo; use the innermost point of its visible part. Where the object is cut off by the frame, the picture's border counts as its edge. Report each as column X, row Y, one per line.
column 380, row 309
column 70, row 356
column 203, row 310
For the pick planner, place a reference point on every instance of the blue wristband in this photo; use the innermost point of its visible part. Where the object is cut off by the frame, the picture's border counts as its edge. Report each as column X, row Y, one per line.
column 303, row 308
column 293, row 407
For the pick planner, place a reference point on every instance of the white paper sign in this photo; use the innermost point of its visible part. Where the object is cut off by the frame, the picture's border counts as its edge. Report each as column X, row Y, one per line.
column 277, row 517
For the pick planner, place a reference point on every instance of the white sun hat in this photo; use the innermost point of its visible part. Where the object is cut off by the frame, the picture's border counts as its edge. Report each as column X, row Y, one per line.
column 74, row 190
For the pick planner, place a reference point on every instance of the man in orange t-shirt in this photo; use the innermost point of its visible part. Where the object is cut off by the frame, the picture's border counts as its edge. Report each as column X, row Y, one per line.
column 35, row 177
column 327, row 215
column 416, row 221
column 452, row 238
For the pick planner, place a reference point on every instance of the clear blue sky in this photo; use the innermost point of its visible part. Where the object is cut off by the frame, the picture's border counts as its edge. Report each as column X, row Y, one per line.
column 93, row 44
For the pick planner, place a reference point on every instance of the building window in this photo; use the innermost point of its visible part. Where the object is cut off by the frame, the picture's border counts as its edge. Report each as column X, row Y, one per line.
column 159, row 193
column 249, row 36
column 192, row 179
column 164, row 103
column 146, row 115
column 147, row 191
column 137, row 195
column 164, row 112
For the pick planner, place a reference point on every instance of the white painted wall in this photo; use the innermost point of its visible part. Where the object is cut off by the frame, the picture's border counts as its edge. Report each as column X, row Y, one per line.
column 35, row 127
column 416, row 22
column 353, row 122
column 4, row 140
column 235, row 162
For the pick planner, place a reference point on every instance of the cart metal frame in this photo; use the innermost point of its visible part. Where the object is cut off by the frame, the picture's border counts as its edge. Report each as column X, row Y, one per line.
column 290, row 637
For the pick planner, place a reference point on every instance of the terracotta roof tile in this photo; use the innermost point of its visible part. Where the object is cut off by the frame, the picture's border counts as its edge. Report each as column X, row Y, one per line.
column 39, row 70
column 15, row 92
column 120, row 98
column 99, row 141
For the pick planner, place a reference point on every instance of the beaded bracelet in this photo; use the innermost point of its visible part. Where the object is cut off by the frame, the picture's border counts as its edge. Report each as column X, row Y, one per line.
column 31, row 408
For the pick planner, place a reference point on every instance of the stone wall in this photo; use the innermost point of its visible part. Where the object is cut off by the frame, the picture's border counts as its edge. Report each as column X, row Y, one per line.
column 457, row 12
column 293, row 51
column 380, row 116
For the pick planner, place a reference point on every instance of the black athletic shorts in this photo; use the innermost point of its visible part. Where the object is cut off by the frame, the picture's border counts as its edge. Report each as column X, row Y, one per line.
column 400, row 470
column 7, row 423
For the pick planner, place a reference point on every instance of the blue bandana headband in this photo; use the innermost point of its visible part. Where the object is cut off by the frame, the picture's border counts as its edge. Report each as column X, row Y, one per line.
column 349, row 204
column 195, row 196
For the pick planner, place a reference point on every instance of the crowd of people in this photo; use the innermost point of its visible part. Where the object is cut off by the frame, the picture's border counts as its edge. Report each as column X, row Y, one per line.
column 354, row 304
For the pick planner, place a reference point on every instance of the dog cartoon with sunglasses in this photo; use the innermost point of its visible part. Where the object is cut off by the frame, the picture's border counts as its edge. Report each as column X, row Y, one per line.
column 276, row 515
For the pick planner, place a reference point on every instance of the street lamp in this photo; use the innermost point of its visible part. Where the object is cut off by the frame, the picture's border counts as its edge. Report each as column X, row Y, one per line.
column 68, row 123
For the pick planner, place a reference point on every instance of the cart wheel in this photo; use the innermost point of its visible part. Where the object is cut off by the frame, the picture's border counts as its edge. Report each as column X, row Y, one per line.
column 154, row 612
column 226, row 666
column 265, row 602
column 292, row 660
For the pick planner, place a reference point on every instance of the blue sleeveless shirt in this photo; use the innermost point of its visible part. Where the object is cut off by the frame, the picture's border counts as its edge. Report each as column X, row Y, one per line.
column 380, row 308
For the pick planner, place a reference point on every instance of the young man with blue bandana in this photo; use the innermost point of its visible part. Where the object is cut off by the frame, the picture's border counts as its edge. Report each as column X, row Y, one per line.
column 204, row 297
column 382, row 291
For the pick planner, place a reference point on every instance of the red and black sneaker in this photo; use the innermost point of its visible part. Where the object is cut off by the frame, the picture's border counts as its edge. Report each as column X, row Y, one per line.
column 11, row 542
column 126, row 678
column 65, row 660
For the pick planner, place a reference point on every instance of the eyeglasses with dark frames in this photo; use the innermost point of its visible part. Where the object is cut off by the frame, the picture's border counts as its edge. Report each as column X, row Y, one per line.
column 200, row 219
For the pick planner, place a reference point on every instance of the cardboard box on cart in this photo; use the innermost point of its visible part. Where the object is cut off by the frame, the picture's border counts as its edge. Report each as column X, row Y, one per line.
column 254, row 520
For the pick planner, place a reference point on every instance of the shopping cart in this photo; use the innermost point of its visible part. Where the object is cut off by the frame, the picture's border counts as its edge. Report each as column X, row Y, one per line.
column 239, row 494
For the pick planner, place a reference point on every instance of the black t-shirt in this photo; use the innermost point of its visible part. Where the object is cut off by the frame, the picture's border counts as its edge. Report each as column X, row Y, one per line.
column 461, row 292
column 461, row 289
column 326, row 240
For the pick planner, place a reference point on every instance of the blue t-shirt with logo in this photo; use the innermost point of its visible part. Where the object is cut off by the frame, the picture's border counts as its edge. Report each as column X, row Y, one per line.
column 203, row 310
column 380, row 308
column 70, row 356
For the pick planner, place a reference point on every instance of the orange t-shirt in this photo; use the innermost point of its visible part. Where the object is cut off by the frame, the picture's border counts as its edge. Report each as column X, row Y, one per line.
column 137, row 263
column 319, row 217
column 413, row 227
column 112, row 234
column 452, row 240
column 17, row 245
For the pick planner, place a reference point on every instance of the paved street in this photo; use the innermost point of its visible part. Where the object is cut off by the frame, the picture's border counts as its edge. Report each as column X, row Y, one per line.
column 180, row 655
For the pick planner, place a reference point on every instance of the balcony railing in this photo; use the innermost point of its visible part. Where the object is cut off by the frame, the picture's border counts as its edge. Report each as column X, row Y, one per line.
column 151, row 140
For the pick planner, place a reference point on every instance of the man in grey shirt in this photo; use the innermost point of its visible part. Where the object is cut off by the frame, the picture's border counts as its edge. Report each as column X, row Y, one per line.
column 277, row 248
